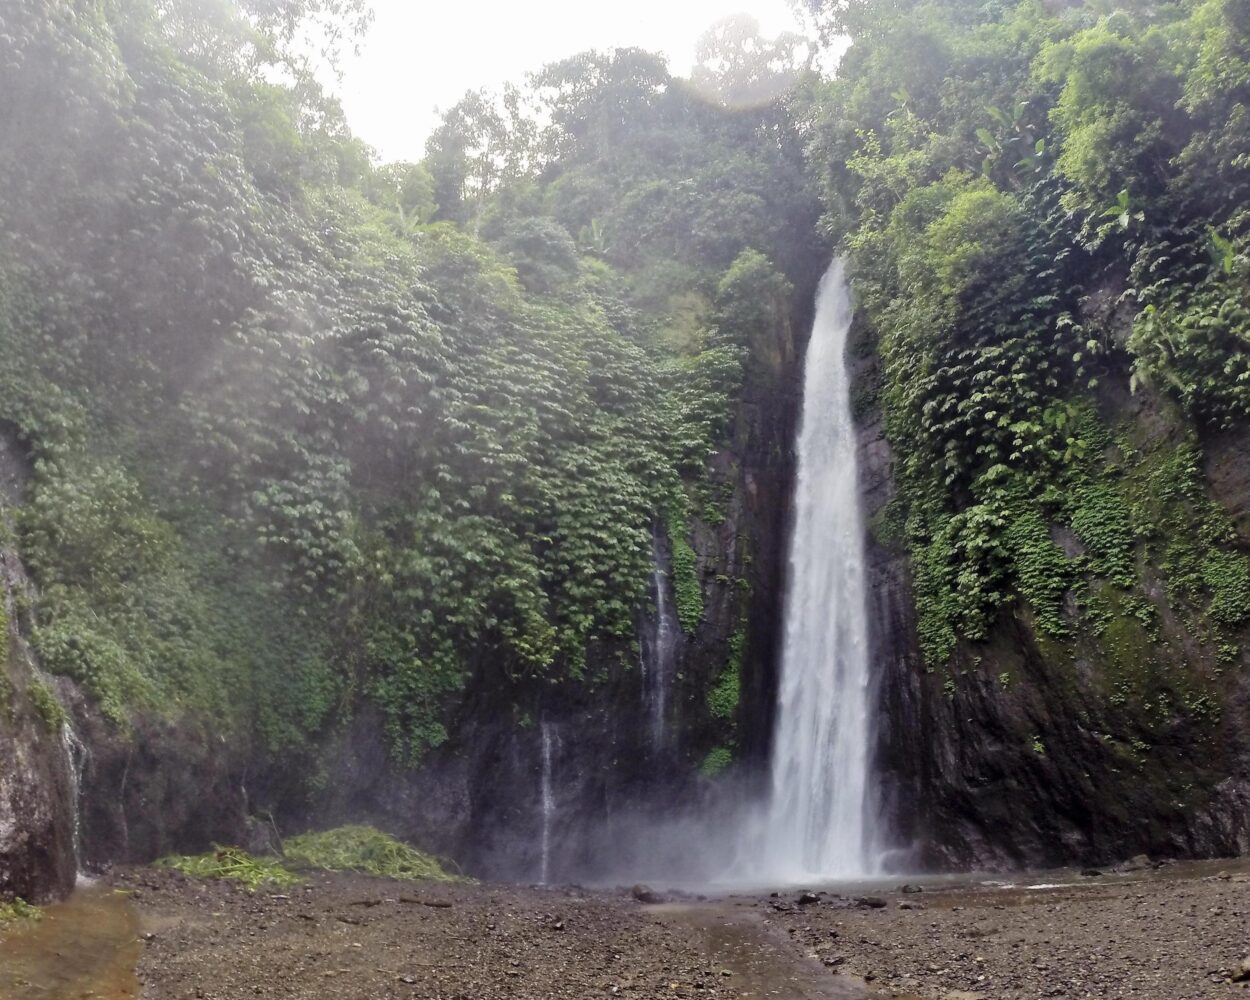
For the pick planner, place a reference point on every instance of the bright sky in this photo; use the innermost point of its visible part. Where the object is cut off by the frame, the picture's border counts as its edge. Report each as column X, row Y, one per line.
column 421, row 54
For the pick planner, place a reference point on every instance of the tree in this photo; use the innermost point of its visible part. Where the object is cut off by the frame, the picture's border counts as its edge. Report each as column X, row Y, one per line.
column 595, row 99
column 483, row 143
column 404, row 189
column 741, row 68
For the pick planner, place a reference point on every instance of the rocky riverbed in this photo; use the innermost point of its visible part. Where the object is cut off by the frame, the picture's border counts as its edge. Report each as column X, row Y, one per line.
column 1169, row 934
column 344, row 937
column 1165, row 933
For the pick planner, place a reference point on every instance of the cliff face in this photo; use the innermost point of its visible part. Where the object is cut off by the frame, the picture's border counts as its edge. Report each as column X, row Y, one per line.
column 1031, row 751
column 1025, row 750
column 576, row 770
column 37, row 859
column 37, row 787
column 592, row 745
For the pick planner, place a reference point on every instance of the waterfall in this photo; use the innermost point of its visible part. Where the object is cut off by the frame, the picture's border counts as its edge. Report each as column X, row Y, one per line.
column 818, row 822
column 659, row 652
column 15, row 582
column 548, row 805
column 75, row 755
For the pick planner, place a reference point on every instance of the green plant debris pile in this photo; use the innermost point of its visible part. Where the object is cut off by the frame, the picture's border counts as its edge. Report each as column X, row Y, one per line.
column 234, row 864
column 363, row 849
column 345, row 849
column 18, row 910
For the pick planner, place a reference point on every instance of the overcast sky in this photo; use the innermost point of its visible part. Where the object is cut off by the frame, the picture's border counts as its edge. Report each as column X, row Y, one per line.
column 421, row 55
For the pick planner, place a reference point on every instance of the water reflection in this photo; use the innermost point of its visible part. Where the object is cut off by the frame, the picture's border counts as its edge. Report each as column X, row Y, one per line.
column 87, row 946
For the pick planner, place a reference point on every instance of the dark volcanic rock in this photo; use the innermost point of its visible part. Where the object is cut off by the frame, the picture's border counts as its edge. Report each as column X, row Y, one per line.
column 37, row 860
column 645, row 894
column 164, row 788
column 1014, row 755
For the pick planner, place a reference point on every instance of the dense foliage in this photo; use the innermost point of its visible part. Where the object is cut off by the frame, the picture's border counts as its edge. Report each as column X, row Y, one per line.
column 1045, row 204
column 309, row 432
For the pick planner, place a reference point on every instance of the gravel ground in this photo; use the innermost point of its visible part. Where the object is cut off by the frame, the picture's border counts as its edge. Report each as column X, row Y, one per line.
column 1163, row 936
column 347, row 937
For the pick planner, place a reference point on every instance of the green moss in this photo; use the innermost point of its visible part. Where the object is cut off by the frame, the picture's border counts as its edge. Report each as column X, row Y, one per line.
column 866, row 394
column 1191, row 538
column 50, row 709
column 8, row 709
column 1042, row 572
column 717, row 760
column 1102, row 521
column 1128, row 655
column 711, row 498
column 723, row 698
column 363, row 849
column 938, row 609
column 1226, row 577
column 1140, row 676
column 889, row 524
column 689, row 594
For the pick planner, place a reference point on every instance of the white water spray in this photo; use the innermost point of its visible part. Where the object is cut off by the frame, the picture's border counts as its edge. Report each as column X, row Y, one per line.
column 548, row 804
column 818, row 823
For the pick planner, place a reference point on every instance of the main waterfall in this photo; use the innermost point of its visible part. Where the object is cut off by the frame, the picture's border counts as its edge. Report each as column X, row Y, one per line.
column 819, row 821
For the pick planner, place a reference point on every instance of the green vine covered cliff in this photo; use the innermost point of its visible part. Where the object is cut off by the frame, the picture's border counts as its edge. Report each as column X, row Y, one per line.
column 311, row 435
column 1045, row 204
column 325, row 468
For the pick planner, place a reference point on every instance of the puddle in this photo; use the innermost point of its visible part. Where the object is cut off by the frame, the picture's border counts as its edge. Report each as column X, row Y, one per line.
column 87, row 946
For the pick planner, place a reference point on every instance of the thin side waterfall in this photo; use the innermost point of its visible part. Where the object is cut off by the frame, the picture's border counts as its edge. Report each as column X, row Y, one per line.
column 548, row 805
column 14, row 581
column 75, row 755
column 659, row 653
column 819, row 821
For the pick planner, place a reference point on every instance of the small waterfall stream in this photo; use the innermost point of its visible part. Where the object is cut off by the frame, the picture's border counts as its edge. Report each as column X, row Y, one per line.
column 547, row 792
column 818, row 822
column 659, row 652
column 75, row 756
column 15, row 582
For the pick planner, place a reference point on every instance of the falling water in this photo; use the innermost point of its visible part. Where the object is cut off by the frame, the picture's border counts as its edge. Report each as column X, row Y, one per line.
column 548, row 804
column 818, row 823
column 659, row 654
column 14, row 582
column 75, row 754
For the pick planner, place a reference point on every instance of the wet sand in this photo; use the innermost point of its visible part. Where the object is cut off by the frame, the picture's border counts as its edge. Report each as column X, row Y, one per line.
column 86, row 947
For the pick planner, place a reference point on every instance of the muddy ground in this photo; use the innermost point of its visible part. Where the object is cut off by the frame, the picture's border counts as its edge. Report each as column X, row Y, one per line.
column 1162, row 935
